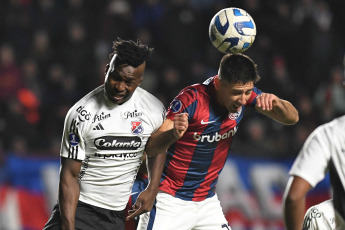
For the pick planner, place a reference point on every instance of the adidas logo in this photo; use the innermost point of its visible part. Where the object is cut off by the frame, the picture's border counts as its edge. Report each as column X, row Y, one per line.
column 98, row 127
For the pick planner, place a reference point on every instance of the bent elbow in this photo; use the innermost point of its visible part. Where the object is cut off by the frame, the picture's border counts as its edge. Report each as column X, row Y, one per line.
column 293, row 119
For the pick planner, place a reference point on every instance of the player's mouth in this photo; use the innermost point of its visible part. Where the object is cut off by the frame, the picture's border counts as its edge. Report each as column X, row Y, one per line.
column 236, row 108
column 119, row 97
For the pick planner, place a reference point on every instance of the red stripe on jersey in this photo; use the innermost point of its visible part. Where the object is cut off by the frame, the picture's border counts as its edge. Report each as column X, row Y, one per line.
column 179, row 164
column 218, row 161
column 177, row 169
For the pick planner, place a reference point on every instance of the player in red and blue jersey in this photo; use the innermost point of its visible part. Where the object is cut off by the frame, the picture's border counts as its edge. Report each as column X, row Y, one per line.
column 195, row 160
column 196, row 137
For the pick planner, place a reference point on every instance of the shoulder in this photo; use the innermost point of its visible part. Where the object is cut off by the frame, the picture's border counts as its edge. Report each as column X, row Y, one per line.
column 146, row 96
column 320, row 216
column 148, row 102
column 147, row 99
column 337, row 123
column 88, row 104
column 192, row 92
column 329, row 129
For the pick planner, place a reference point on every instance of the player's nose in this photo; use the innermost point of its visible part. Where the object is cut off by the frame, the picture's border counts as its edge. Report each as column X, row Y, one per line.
column 242, row 100
column 120, row 86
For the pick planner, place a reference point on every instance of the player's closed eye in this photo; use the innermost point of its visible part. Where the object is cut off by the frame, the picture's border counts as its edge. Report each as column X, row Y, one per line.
column 130, row 83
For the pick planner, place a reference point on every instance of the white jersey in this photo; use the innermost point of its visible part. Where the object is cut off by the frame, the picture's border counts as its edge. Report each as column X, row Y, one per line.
column 110, row 140
column 323, row 217
column 324, row 151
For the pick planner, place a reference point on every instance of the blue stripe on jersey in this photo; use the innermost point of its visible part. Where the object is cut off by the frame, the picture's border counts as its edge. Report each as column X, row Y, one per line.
column 212, row 191
column 201, row 161
column 190, row 110
column 169, row 156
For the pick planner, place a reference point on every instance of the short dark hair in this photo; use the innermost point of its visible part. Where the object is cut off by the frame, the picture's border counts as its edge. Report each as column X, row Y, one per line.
column 238, row 68
column 130, row 52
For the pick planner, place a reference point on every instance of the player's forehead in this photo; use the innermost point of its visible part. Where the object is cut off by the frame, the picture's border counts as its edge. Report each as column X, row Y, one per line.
column 240, row 86
column 129, row 72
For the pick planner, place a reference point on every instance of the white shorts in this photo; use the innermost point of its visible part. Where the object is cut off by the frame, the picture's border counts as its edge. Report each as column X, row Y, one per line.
column 173, row 213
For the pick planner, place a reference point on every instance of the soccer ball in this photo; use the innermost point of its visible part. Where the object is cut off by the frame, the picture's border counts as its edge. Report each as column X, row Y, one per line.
column 232, row 30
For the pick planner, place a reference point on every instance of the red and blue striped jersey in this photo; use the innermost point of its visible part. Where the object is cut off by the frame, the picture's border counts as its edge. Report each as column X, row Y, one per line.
column 195, row 161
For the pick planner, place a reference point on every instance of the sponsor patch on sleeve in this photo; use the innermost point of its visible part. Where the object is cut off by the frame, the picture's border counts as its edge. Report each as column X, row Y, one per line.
column 74, row 139
column 176, row 106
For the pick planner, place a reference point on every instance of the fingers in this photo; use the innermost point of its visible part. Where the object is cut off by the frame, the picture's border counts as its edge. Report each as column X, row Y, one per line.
column 266, row 101
column 134, row 213
column 137, row 209
column 180, row 124
column 137, row 205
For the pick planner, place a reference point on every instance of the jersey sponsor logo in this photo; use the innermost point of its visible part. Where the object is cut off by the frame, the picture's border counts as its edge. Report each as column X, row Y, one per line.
column 83, row 114
column 85, row 166
column 176, row 105
column 226, row 226
column 216, row 137
column 117, row 143
column 133, row 114
column 137, row 127
column 122, row 156
column 98, row 127
column 100, row 117
column 234, row 116
column 73, row 139
column 206, row 122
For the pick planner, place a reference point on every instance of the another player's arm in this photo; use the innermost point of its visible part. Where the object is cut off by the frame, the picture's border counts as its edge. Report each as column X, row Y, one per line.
column 169, row 132
column 146, row 198
column 155, row 165
column 277, row 109
column 294, row 202
column 68, row 191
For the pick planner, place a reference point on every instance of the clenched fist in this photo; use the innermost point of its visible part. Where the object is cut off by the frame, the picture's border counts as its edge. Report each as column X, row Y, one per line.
column 180, row 125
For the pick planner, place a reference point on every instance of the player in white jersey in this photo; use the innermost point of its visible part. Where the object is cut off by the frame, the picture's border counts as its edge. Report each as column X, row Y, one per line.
column 323, row 216
column 323, row 151
column 104, row 137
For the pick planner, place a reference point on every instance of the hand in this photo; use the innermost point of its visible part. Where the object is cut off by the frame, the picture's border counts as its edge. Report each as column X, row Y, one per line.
column 143, row 204
column 266, row 101
column 180, row 124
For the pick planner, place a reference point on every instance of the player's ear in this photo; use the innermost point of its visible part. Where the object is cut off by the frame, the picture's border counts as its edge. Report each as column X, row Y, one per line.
column 216, row 82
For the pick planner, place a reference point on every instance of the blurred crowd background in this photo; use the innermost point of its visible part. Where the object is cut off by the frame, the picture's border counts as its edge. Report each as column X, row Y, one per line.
column 53, row 52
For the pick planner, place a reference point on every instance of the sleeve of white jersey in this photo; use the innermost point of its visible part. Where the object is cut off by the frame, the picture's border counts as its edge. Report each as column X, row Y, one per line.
column 313, row 160
column 320, row 217
column 159, row 114
column 73, row 145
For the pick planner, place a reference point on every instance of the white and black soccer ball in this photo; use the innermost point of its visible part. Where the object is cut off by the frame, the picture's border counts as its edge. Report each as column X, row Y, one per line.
column 232, row 30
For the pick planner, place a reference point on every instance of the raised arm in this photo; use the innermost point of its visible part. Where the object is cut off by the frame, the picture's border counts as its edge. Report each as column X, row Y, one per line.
column 294, row 202
column 169, row 132
column 277, row 109
column 68, row 191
